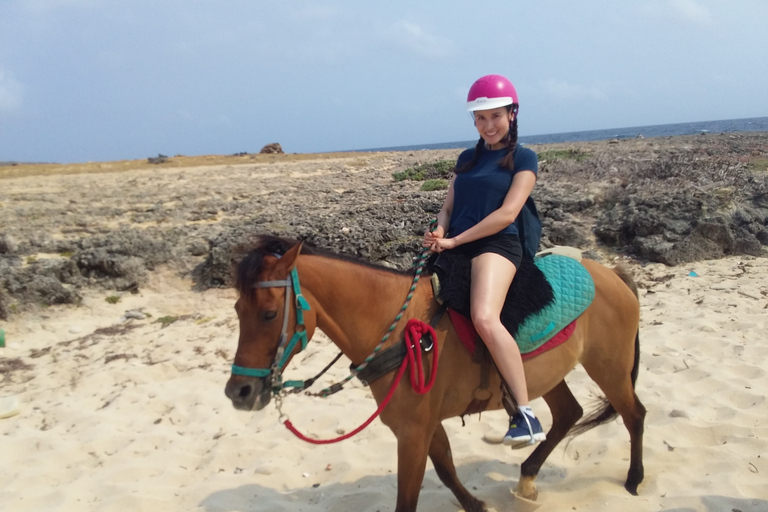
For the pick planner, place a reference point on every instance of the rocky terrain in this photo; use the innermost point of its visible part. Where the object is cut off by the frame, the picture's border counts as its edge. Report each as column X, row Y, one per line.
column 62, row 228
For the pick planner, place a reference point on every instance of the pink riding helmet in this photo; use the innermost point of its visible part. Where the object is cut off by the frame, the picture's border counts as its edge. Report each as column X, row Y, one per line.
column 491, row 91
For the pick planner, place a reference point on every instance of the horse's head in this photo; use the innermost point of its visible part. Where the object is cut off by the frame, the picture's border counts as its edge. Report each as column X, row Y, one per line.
column 275, row 322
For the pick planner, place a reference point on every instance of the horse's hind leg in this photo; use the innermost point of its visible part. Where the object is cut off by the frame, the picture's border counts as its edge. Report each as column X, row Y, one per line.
column 566, row 411
column 440, row 453
column 634, row 421
column 620, row 392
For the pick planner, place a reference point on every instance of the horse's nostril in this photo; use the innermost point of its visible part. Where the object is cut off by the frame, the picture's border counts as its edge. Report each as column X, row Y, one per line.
column 245, row 391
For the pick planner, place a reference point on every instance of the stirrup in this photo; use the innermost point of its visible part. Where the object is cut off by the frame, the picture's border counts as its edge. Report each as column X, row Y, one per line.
column 436, row 288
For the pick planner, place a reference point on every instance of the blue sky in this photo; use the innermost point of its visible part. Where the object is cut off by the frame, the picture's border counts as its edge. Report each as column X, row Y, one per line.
column 90, row 80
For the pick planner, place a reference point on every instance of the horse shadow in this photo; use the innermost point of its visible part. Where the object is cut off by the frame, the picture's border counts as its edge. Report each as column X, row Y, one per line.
column 490, row 481
column 725, row 503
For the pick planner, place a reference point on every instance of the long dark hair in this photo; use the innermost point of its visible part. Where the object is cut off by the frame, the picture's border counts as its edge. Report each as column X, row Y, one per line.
column 511, row 142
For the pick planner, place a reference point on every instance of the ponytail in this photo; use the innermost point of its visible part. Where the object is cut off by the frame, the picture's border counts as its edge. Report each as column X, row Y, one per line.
column 469, row 165
column 509, row 160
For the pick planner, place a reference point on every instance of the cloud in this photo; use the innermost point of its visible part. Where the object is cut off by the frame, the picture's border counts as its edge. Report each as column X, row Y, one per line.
column 11, row 92
column 691, row 10
column 413, row 37
column 562, row 90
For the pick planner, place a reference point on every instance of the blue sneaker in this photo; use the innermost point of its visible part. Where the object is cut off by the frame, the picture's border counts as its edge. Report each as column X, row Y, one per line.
column 524, row 430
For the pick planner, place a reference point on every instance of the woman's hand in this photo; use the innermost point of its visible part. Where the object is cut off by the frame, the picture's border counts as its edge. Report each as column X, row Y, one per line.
column 442, row 244
column 430, row 237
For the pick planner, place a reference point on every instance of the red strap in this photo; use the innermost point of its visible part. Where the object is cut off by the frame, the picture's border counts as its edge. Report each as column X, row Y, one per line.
column 414, row 330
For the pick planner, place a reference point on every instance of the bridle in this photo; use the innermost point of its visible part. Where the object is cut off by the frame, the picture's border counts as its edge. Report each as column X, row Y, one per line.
column 285, row 347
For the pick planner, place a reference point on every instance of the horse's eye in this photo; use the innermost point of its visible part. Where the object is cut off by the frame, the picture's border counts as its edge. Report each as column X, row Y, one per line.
column 269, row 315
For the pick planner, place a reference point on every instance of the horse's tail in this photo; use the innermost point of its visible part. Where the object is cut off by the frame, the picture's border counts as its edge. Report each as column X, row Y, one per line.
column 605, row 411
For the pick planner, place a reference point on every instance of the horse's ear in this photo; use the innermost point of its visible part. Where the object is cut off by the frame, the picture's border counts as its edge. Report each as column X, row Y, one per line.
column 288, row 260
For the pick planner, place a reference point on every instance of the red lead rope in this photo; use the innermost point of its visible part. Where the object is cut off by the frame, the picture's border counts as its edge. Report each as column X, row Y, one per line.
column 414, row 332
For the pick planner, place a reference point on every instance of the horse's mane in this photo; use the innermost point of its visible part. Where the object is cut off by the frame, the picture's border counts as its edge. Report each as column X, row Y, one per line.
column 249, row 268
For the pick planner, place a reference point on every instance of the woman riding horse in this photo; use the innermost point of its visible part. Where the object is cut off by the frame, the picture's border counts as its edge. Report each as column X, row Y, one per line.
column 489, row 192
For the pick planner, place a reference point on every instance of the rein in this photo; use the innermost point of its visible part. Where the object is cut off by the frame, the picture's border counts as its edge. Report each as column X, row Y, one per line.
column 414, row 331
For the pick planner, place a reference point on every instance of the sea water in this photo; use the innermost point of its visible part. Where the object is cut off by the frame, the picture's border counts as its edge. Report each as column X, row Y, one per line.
column 755, row 124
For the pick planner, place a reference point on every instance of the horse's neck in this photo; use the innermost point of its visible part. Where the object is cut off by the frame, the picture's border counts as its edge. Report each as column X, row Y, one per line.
column 356, row 304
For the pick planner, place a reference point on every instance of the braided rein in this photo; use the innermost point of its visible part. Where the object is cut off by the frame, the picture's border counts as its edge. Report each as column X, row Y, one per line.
column 419, row 262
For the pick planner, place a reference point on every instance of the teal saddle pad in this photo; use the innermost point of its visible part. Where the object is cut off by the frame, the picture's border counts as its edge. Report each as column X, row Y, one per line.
column 574, row 291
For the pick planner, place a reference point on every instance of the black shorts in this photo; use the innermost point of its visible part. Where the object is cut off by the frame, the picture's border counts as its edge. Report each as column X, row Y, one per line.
column 503, row 244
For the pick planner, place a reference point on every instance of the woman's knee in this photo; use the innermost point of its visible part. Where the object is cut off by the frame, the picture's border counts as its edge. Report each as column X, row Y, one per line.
column 485, row 322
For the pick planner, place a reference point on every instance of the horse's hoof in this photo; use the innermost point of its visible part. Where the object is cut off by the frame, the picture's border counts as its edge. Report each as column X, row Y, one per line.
column 524, row 503
column 526, row 489
column 477, row 507
column 634, row 478
column 631, row 488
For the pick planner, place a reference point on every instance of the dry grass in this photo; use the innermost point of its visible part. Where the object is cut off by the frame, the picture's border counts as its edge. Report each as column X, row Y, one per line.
column 27, row 170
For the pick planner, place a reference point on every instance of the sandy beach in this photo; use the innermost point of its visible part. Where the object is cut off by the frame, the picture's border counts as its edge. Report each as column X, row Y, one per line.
column 121, row 400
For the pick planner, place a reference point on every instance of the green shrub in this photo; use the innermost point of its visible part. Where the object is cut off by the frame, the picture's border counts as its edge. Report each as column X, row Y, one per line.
column 430, row 185
column 165, row 321
column 113, row 299
column 429, row 171
column 553, row 155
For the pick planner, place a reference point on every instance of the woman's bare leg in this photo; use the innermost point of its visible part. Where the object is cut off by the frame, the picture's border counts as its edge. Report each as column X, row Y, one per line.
column 491, row 276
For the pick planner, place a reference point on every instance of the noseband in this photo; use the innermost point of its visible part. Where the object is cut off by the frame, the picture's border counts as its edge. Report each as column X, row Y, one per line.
column 284, row 347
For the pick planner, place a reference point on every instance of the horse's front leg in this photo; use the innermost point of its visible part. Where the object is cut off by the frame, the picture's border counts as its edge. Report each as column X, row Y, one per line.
column 440, row 453
column 412, row 449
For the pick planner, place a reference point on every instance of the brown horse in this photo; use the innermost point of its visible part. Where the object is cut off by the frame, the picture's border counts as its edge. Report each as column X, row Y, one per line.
column 354, row 302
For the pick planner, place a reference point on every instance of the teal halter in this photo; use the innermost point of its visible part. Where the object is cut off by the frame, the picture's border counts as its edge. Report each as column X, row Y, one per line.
column 284, row 349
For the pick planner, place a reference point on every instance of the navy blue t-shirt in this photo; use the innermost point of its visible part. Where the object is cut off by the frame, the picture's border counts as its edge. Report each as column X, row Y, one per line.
column 482, row 189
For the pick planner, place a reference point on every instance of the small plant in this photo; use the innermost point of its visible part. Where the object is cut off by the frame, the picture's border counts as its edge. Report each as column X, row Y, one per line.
column 31, row 259
column 553, row 155
column 165, row 321
column 405, row 175
column 431, row 185
column 432, row 170
column 113, row 299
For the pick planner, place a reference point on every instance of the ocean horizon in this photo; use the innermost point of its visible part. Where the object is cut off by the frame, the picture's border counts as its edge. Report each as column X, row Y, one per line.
column 752, row 124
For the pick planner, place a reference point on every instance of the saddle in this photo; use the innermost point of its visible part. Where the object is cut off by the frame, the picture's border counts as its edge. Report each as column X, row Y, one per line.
column 540, row 311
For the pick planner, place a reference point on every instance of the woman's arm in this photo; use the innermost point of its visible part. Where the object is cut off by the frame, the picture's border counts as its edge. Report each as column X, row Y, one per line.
column 519, row 191
column 443, row 219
